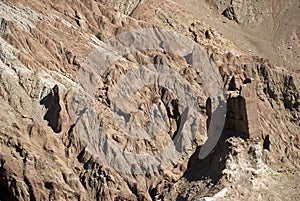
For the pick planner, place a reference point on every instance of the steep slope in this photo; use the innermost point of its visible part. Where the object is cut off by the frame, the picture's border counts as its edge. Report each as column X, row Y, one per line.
column 71, row 92
column 269, row 29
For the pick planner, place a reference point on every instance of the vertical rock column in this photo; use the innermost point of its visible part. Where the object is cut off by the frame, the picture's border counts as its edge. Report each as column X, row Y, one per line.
column 249, row 93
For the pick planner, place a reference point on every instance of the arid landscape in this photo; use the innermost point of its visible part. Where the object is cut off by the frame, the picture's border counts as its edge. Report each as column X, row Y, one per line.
column 149, row 100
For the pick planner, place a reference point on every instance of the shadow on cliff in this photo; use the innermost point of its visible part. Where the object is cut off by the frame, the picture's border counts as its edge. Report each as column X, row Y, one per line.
column 211, row 166
column 51, row 102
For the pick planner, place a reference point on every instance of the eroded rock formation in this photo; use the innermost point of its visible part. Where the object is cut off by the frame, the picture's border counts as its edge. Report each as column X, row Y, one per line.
column 53, row 105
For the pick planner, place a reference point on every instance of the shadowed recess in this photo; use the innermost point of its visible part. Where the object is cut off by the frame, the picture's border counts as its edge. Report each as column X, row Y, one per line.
column 51, row 102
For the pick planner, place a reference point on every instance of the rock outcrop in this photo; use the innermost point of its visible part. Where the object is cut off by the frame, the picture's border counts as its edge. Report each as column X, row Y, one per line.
column 72, row 130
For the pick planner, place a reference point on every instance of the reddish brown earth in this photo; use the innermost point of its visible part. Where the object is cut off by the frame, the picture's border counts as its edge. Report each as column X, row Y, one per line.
column 50, row 148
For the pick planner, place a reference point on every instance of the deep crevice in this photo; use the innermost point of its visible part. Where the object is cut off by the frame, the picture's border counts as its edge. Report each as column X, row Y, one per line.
column 5, row 194
column 30, row 189
column 266, row 143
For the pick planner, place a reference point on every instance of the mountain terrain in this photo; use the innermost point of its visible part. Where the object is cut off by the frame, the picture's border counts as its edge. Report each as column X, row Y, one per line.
column 149, row 100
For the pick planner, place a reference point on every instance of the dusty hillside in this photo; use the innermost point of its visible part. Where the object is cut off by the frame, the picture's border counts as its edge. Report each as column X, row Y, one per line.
column 266, row 28
column 269, row 29
column 149, row 100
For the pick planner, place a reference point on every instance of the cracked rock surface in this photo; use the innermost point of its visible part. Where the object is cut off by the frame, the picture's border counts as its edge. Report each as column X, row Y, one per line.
column 64, row 120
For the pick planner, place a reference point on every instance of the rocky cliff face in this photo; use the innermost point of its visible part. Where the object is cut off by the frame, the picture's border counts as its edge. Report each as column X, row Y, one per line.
column 104, row 100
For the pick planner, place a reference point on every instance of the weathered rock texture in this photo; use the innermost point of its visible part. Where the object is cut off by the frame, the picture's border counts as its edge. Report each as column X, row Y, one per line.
column 45, row 44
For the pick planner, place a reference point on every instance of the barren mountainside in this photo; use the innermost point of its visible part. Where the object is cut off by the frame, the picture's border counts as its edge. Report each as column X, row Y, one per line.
column 149, row 100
